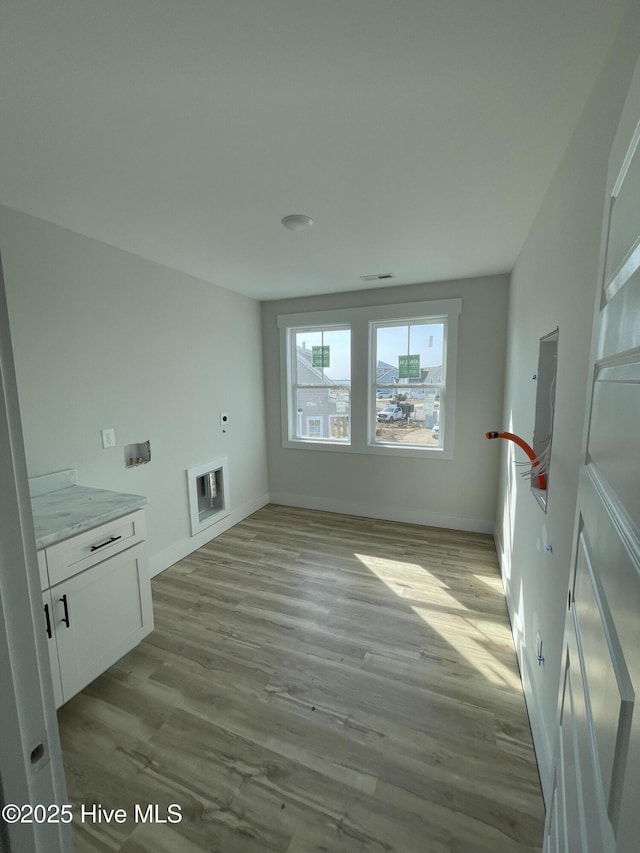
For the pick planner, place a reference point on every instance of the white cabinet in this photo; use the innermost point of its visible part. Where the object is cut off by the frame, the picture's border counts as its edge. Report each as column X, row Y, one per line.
column 51, row 644
column 72, row 555
column 97, row 606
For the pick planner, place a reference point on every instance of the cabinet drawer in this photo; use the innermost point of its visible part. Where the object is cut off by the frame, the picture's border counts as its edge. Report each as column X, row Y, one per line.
column 74, row 555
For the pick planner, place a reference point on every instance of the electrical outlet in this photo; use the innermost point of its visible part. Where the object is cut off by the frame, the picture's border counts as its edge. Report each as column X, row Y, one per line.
column 108, row 438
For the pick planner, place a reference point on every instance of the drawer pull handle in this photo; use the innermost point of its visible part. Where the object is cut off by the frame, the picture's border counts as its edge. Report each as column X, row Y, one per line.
column 65, row 618
column 108, row 542
column 47, row 620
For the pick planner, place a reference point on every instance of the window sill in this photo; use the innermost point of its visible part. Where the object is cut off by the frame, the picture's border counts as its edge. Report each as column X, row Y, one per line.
column 430, row 453
column 311, row 444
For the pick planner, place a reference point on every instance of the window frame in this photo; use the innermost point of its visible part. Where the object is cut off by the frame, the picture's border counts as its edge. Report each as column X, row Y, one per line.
column 291, row 386
column 360, row 321
column 374, row 385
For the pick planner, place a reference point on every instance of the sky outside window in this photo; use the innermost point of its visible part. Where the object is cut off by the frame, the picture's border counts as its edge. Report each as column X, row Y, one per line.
column 425, row 340
column 339, row 343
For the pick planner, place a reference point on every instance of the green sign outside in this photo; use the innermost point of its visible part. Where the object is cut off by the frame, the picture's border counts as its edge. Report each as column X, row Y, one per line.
column 409, row 366
column 320, row 356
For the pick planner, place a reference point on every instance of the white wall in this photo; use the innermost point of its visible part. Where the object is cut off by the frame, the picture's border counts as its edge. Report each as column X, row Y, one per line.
column 554, row 284
column 459, row 493
column 103, row 338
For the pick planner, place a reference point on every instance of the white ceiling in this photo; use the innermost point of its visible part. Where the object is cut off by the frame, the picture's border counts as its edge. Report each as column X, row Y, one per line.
column 421, row 135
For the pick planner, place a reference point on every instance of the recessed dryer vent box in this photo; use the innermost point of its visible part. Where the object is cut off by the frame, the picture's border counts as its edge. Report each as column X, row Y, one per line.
column 208, row 485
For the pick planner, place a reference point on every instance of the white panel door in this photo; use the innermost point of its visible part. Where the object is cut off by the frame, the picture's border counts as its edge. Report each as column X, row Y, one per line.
column 31, row 769
column 595, row 805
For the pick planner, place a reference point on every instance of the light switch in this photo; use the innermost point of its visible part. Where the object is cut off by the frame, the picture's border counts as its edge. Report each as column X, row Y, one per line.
column 108, row 438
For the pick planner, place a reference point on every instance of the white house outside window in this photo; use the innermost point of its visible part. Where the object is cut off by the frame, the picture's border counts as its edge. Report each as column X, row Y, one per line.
column 319, row 383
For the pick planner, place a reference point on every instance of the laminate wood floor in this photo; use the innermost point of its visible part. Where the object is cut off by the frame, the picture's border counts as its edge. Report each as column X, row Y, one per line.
column 315, row 683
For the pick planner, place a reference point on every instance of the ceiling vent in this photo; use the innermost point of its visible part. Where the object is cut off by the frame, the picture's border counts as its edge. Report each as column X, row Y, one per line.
column 378, row 277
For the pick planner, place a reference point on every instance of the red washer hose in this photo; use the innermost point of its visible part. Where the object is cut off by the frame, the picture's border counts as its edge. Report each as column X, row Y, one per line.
column 510, row 436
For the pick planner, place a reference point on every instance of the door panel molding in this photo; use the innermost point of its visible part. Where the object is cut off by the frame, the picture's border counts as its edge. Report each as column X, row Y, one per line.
column 610, row 706
column 626, row 528
column 624, row 207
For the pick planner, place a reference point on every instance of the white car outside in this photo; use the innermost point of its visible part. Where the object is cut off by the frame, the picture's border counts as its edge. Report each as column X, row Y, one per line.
column 390, row 414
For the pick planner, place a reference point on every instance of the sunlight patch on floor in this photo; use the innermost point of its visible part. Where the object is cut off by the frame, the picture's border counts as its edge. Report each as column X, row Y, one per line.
column 460, row 631
column 494, row 582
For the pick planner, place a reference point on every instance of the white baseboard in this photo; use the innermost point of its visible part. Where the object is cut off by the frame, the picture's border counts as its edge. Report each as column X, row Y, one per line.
column 497, row 538
column 386, row 513
column 538, row 731
column 539, row 734
column 163, row 559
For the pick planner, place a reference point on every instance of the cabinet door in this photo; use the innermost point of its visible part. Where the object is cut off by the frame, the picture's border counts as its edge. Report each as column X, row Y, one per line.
column 52, row 646
column 100, row 615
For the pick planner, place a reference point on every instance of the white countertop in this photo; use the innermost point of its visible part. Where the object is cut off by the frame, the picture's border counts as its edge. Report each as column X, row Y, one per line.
column 65, row 512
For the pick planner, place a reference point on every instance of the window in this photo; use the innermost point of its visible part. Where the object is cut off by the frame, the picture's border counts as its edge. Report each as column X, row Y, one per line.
column 408, row 372
column 371, row 380
column 314, row 427
column 319, row 361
